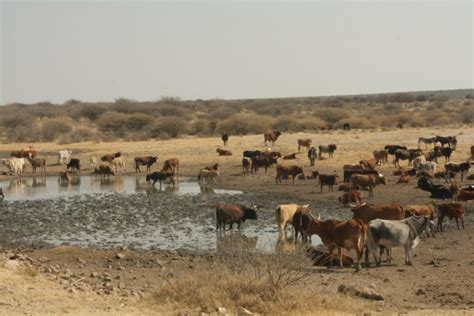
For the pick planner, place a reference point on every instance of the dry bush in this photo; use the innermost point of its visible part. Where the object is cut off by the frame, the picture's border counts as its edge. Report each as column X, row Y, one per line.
column 90, row 111
column 113, row 123
column 332, row 115
column 243, row 124
column 466, row 114
column 52, row 128
column 360, row 122
column 400, row 97
column 169, row 127
column 78, row 135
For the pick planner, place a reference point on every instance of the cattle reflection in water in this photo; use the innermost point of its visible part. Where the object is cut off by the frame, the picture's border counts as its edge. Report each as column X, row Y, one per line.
column 18, row 186
column 116, row 183
column 234, row 241
column 38, row 182
column 206, row 189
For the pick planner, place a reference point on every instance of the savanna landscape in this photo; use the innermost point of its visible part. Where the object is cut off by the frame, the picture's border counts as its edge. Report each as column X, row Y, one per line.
column 129, row 247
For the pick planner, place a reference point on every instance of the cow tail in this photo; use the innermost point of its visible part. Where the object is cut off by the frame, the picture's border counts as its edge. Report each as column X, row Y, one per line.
column 278, row 216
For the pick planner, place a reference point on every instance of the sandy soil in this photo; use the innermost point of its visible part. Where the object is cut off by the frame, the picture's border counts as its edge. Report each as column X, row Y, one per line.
column 438, row 282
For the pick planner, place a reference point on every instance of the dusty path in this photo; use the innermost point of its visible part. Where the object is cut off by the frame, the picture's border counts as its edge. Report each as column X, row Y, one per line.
column 439, row 280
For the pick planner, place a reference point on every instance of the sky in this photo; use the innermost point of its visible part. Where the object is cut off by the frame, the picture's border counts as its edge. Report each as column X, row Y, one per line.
column 143, row 50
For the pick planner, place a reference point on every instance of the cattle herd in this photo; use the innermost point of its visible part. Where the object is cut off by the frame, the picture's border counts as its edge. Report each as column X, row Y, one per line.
column 376, row 228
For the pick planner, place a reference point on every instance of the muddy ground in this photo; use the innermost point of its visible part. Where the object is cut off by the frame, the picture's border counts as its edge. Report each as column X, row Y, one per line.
column 125, row 274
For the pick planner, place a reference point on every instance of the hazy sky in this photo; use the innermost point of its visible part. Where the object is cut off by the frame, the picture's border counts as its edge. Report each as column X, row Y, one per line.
column 95, row 51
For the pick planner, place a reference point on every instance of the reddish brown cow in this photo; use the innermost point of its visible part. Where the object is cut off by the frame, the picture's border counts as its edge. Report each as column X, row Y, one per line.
column 110, row 157
column 368, row 212
column 147, row 161
column 261, row 161
column 172, row 165
column 271, row 137
column 369, row 163
column 304, row 143
column 290, row 157
column 223, row 152
column 404, row 179
column 381, row 156
column 465, row 195
column 31, row 154
column 339, row 234
column 367, row 182
column 104, row 171
column 351, row 197
column 420, row 210
column 450, row 210
column 292, row 171
column 230, row 214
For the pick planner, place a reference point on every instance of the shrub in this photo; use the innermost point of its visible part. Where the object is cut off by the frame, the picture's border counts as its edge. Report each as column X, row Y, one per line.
column 172, row 126
column 113, row 123
column 245, row 124
column 91, row 111
column 466, row 115
column 137, row 121
column 332, row 115
column 400, row 97
column 52, row 128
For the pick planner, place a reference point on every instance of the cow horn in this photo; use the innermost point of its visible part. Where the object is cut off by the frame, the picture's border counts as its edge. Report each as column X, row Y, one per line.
column 352, row 205
column 380, row 175
column 318, row 217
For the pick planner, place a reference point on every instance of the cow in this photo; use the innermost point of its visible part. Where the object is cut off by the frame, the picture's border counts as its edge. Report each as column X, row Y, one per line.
column 450, row 210
column 312, row 155
column 368, row 212
column 426, row 141
column 304, row 143
column 408, row 172
column 215, row 167
column 147, row 161
column 172, row 165
column 381, row 156
column 93, row 161
column 230, row 214
column 251, row 153
column 433, row 155
column 455, row 168
column 109, row 157
column 391, row 149
column 284, row 214
column 444, row 174
column 368, row 182
column 64, row 177
column 420, row 210
column 37, row 163
column 369, row 163
column 30, row 153
column 2, row 196
column 64, row 156
column 404, row 179
column 465, row 195
column 349, row 170
column 117, row 163
column 301, row 216
column 346, row 187
column 472, row 153
column 271, row 154
column 446, row 153
column 103, row 171
column 419, row 160
column 246, row 165
column 292, row 171
column 15, row 165
column 346, row 127
column 321, row 258
column 74, row 164
column 261, row 161
column 205, row 175
column 160, row 176
column 327, row 149
column 271, row 137
column 437, row 191
column 289, row 157
column 348, row 198
column 225, row 138
column 429, row 167
column 406, row 154
column 451, row 141
column 326, row 179
column 382, row 233
column 223, row 152
column 339, row 234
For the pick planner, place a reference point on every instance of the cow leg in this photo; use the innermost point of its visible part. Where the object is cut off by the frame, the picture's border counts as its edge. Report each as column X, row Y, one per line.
column 407, row 255
column 457, row 222
column 462, row 222
column 330, row 251
column 379, row 261
column 340, row 256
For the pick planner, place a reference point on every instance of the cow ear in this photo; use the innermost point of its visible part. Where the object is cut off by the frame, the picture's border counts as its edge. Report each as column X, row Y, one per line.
column 306, row 205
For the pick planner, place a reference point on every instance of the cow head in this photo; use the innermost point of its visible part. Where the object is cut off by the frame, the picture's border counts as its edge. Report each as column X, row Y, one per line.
column 277, row 134
column 148, row 177
column 381, row 179
column 249, row 213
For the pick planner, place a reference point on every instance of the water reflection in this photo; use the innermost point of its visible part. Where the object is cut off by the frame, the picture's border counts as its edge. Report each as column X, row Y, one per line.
column 234, row 242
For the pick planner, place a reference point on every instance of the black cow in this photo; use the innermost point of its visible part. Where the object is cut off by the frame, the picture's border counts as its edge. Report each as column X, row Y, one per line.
column 160, row 176
column 391, row 149
column 74, row 164
column 346, row 127
column 260, row 161
column 251, row 153
column 312, row 155
column 225, row 138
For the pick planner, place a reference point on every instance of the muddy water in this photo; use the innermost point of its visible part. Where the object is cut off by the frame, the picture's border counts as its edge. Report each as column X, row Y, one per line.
column 130, row 212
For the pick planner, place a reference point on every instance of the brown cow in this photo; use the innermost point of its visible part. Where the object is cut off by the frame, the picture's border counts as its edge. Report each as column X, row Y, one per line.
column 110, row 157
column 367, row 182
column 292, row 171
column 229, row 214
column 302, row 214
column 381, row 156
column 104, row 171
column 271, row 137
column 260, row 161
column 369, row 163
column 420, row 210
column 147, row 161
column 326, row 179
column 64, row 177
column 341, row 234
column 246, row 165
column 290, row 157
column 404, row 179
column 465, row 195
column 450, row 210
column 368, row 212
column 172, row 165
column 305, row 143
column 223, row 152
column 38, row 163
column 271, row 154
column 214, row 167
column 30, row 153
column 351, row 197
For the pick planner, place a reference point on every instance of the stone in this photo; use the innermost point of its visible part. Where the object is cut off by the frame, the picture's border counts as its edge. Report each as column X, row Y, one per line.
column 420, row 292
column 221, row 310
column 119, row 255
column 94, row 274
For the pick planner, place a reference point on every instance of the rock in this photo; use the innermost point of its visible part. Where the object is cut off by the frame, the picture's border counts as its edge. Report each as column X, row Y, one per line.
column 221, row 310
column 94, row 274
column 364, row 293
column 243, row 311
column 119, row 255
column 420, row 292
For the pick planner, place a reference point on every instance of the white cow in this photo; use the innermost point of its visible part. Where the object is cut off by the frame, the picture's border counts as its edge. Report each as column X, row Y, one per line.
column 93, row 161
column 16, row 165
column 64, row 156
column 284, row 214
column 118, row 162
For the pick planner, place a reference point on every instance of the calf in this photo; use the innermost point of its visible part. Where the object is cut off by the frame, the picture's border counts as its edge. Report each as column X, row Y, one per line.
column 292, row 171
column 327, row 149
column 172, row 165
column 290, row 157
column 261, row 161
column 339, row 234
column 160, row 176
column 74, row 164
column 367, row 182
column 351, row 197
column 230, row 214
column 455, row 168
column 450, row 210
column 304, row 143
column 104, row 171
column 147, row 161
column 246, row 165
column 381, row 156
column 326, row 179
column 394, row 233
column 312, row 155
column 223, row 152
column 205, row 175
column 38, row 163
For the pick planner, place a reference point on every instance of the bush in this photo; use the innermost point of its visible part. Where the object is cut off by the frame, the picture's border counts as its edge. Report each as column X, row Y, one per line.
column 400, row 97
column 138, row 121
column 113, row 123
column 92, row 112
column 332, row 115
column 169, row 127
column 466, row 115
column 245, row 124
column 52, row 128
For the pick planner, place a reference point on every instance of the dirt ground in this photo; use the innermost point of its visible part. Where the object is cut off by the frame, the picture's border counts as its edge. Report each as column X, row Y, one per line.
column 121, row 281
